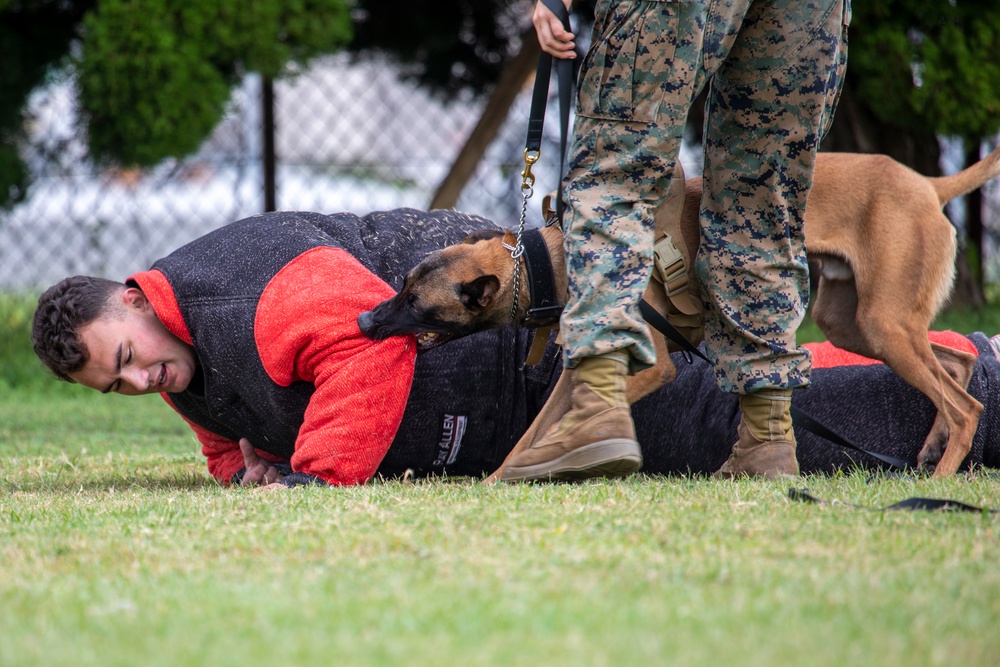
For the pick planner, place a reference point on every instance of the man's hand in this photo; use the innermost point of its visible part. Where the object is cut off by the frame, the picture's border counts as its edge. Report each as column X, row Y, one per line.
column 552, row 37
column 258, row 470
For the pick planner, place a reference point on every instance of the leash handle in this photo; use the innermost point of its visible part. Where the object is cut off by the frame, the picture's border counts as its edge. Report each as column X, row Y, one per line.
column 539, row 99
column 540, row 92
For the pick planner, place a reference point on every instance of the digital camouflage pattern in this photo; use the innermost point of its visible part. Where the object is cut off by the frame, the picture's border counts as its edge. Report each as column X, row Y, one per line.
column 776, row 70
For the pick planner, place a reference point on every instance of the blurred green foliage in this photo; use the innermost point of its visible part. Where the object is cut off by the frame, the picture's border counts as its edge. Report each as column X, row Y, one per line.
column 936, row 64
column 33, row 36
column 19, row 368
column 155, row 75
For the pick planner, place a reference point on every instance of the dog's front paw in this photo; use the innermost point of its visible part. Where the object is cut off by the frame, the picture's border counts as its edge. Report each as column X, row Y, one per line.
column 934, row 446
column 929, row 456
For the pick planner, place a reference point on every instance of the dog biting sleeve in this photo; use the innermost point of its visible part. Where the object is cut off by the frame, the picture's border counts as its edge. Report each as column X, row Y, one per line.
column 306, row 330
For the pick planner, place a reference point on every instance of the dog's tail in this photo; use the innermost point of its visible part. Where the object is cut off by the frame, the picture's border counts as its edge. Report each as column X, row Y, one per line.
column 967, row 180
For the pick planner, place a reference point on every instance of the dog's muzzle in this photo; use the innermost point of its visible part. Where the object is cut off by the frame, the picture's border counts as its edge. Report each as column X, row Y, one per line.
column 366, row 322
column 426, row 340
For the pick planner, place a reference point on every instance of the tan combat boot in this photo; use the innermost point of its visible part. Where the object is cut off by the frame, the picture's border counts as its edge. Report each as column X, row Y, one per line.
column 596, row 438
column 765, row 446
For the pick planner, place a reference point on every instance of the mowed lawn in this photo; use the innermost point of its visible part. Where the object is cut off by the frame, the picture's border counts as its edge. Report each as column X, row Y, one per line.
column 116, row 548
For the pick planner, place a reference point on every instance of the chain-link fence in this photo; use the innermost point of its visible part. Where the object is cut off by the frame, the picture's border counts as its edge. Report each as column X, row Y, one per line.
column 349, row 137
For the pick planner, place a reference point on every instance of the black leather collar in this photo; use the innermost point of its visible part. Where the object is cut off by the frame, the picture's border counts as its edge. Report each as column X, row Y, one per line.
column 545, row 308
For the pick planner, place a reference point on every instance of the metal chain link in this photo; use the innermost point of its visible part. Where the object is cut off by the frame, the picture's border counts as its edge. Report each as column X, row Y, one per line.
column 517, row 250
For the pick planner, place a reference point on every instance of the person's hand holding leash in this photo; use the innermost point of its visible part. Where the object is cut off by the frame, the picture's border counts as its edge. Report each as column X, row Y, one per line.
column 258, row 470
column 552, row 37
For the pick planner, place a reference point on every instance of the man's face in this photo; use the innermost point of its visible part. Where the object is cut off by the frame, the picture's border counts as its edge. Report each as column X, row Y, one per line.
column 134, row 354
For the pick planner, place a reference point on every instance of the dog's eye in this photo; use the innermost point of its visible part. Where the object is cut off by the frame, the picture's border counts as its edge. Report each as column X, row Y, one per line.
column 411, row 300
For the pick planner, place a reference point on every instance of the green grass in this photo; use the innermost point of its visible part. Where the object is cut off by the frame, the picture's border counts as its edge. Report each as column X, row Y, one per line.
column 164, row 570
column 116, row 548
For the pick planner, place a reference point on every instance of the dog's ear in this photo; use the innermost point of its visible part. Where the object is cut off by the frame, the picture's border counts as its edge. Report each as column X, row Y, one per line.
column 479, row 293
column 481, row 235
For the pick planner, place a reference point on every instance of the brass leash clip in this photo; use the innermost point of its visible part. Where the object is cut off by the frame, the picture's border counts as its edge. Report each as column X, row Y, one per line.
column 527, row 178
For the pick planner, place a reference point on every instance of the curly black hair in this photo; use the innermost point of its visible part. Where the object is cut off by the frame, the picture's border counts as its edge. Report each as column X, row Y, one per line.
column 63, row 310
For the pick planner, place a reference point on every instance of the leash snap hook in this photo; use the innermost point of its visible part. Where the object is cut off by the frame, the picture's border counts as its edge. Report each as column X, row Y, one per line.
column 528, row 178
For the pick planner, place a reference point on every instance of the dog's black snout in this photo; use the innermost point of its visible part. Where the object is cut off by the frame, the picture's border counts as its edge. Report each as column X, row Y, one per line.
column 366, row 322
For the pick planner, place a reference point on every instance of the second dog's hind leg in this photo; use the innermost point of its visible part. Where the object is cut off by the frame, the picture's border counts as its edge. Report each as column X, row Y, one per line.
column 911, row 356
column 959, row 366
column 881, row 330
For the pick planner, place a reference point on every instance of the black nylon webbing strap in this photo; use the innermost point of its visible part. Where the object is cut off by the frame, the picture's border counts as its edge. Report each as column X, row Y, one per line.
column 661, row 324
column 540, row 96
column 915, row 503
column 545, row 308
column 800, row 418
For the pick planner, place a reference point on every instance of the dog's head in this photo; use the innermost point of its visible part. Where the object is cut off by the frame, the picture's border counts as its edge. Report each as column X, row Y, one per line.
column 452, row 293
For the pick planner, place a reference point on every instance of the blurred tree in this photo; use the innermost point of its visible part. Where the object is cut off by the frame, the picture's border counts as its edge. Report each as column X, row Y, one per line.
column 154, row 75
column 925, row 67
column 448, row 46
column 33, row 36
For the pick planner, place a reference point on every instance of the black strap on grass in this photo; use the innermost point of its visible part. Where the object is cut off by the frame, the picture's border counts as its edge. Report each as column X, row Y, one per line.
column 915, row 503
column 540, row 96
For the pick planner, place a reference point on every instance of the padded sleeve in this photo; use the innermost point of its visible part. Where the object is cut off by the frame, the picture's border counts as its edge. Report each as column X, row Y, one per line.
column 306, row 329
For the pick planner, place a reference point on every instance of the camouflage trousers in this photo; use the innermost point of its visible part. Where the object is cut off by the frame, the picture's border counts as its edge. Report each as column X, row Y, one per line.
column 774, row 71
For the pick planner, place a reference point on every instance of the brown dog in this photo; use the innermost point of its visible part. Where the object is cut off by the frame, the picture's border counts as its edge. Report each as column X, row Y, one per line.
column 877, row 239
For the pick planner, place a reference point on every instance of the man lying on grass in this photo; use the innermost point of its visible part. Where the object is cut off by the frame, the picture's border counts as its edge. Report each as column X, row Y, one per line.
column 250, row 333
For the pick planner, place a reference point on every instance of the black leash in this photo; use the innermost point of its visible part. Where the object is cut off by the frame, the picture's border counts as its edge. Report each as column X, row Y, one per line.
column 800, row 418
column 539, row 98
column 661, row 324
column 916, row 503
